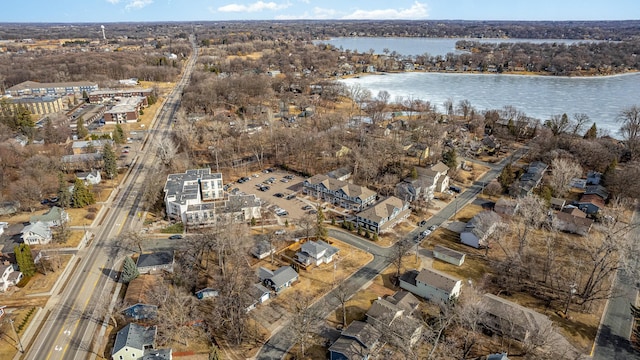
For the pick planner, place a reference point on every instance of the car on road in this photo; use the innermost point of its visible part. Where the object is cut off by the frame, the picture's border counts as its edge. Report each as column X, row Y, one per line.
column 422, row 223
column 125, row 151
column 425, row 233
column 280, row 232
column 307, row 207
column 312, row 211
column 433, row 227
column 175, row 237
column 290, row 196
column 455, row 189
column 281, row 212
column 278, row 195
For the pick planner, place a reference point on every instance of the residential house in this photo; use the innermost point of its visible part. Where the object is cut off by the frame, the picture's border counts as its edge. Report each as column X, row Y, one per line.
column 394, row 313
column 530, row 179
column 90, row 178
column 316, row 253
column 448, row 255
column 479, row 228
column 431, row 284
column 511, row 319
column 259, row 294
column 442, row 184
column 340, row 174
column 590, row 204
column 206, row 293
column 357, row 341
column 36, row 234
column 574, row 211
column 82, row 162
column 136, row 342
column 597, row 190
column 558, row 204
column 341, row 193
column 593, row 177
column 573, row 224
column 136, row 299
column 155, row 262
column 578, row 183
column 55, row 216
column 384, row 215
column 420, row 151
column 9, row 276
column 424, row 187
column 507, row 207
column 279, row 279
column 90, row 146
column 263, row 249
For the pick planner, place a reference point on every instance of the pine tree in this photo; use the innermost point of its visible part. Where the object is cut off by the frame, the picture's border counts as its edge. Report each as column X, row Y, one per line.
column 592, row 133
column 81, row 195
column 81, row 129
column 118, row 135
column 110, row 164
column 321, row 229
column 25, row 259
column 450, row 158
column 506, row 177
column 129, row 270
column 85, row 96
column 64, row 195
column 414, row 173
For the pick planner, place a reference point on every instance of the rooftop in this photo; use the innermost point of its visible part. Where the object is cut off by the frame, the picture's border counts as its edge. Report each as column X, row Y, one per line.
column 135, row 336
column 155, row 259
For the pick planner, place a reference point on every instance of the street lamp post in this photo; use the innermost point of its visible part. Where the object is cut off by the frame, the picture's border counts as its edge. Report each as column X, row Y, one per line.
column 17, row 336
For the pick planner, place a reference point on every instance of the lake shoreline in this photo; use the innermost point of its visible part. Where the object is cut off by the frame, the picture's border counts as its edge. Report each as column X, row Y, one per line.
column 510, row 73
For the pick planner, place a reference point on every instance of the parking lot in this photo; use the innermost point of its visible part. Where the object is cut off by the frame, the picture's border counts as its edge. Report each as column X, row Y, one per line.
column 284, row 193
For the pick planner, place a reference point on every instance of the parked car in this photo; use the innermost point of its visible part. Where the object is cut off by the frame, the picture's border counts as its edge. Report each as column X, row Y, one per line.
column 278, row 195
column 290, row 196
column 290, row 177
column 312, row 211
column 422, row 223
column 426, row 233
column 175, row 237
column 307, row 207
column 280, row 232
column 284, row 180
column 433, row 227
column 455, row 189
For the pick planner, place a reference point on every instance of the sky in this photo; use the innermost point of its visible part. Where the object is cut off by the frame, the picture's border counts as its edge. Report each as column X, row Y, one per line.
column 68, row 11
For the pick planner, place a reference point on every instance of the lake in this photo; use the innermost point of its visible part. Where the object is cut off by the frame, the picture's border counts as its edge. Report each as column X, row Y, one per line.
column 420, row 46
column 601, row 98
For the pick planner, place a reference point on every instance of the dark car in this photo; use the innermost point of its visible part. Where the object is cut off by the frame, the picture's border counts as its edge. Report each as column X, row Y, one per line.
column 422, row 223
column 175, row 237
column 307, row 207
column 455, row 189
column 278, row 195
column 312, row 211
column 290, row 177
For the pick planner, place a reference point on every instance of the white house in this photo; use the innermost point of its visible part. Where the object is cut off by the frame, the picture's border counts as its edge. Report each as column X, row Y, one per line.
column 479, row 228
column 316, row 253
column 36, row 233
column 9, row 276
column 90, row 178
column 190, row 188
column 136, row 342
column 431, row 284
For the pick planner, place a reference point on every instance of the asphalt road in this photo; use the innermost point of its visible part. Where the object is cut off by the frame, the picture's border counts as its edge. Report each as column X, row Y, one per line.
column 613, row 336
column 280, row 342
column 75, row 315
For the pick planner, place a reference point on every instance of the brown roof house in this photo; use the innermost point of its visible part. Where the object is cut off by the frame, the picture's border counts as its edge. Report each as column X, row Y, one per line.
column 138, row 298
column 511, row 319
column 431, row 284
column 394, row 313
column 341, row 193
column 573, row 224
column 384, row 215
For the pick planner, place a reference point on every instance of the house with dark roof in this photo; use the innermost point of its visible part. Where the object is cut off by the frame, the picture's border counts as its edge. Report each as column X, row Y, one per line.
column 507, row 207
column 511, row 319
column 340, row 193
column 597, row 190
column 259, row 294
column 530, row 179
column 479, row 228
column 431, row 284
column 316, row 253
column 357, row 341
column 279, row 279
column 155, row 262
column 594, row 177
column 135, row 342
column 137, row 299
column 384, row 215
column 262, row 249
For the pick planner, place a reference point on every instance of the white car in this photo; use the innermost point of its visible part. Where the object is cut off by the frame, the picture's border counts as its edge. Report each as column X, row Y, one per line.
column 280, row 232
column 426, row 233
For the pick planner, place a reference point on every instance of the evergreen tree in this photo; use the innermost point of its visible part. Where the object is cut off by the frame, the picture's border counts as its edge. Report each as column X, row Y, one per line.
column 81, row 195
column 506, row 177
column 110, row 164
column 25, row 259
column 129, row 270
column 414, row 173
column 64, row 195
column 81, row 129
column 592, row 133
column 118, row 135
column 85, row 96
column 321, row 229
column 450, row 158
column 375, row 236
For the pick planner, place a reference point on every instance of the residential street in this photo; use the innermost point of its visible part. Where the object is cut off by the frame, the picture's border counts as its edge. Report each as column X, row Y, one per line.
column 281, row 341
column 613, row 336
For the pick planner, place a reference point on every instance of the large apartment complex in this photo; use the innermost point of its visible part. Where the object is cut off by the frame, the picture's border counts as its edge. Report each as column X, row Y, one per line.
column 196, row 198
column 34, row 88
column 341, row 193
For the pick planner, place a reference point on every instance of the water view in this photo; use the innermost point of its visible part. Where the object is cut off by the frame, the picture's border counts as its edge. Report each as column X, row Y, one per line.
column 420, row 46
column 601, row 98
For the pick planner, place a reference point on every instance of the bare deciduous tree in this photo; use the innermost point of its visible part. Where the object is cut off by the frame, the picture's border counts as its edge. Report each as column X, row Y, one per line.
column 563, row 171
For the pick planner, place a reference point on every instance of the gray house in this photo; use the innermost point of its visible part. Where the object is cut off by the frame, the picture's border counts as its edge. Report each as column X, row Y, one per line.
column 479, row 228
column 448, row 255
column 357, row 341
column 137, row 342
column 431, row 284
column 155, row 262
column 279, row 279
column 514, row 320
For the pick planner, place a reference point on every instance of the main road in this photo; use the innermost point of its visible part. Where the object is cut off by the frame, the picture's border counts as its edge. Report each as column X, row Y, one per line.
column 280, row 342
column 74, row 316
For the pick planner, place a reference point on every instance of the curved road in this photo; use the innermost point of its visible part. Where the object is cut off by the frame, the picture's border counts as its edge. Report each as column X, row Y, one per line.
column 280, row 342
column 74, row 316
